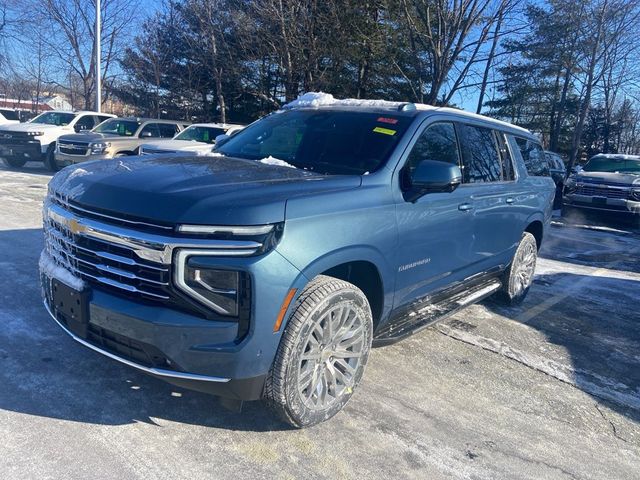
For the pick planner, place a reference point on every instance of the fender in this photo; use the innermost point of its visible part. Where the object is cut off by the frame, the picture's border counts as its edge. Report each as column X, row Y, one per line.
column 356, row 253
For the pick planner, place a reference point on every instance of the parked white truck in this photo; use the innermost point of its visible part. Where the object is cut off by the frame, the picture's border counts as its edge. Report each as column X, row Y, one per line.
column 36, row 140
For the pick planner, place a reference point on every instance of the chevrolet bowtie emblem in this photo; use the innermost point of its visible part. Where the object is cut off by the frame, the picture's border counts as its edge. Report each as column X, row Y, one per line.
column 75, row 227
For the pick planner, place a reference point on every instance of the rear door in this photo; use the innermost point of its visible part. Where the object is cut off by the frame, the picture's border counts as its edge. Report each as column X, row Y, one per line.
column 489, row 179
column 435, row 231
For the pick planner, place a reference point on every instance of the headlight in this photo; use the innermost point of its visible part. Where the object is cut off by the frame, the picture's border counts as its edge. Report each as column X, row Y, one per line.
column 98, row 148
column 35, row 134
column 218, row 289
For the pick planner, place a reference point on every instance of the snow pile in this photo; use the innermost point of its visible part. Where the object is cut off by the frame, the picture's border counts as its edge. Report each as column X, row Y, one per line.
column 207, row 153
column 276, row 162
column 78, row 172
column 319, row 99
column 52, row 269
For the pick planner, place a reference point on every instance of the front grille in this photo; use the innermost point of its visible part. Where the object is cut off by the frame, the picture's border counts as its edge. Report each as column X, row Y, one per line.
column 154, row 151
column 111, row 266
column 128, row 348
column 139, row 225
column 602, row 191
column 73, row 148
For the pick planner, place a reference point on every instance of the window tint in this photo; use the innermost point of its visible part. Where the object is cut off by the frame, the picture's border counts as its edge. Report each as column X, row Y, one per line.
column 323, row 141
column 438, row 142
column 85, row 122
column 481, row 156
column 102, row 118
column 150, row 128
column 533, row 157
column 508, row 170
column 167, row 130
column 9, row 114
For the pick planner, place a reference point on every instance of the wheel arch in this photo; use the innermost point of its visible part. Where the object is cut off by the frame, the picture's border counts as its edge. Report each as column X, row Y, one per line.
column 366, row 269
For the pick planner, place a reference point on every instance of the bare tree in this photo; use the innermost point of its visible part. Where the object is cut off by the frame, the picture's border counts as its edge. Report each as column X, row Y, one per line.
column 72, row 36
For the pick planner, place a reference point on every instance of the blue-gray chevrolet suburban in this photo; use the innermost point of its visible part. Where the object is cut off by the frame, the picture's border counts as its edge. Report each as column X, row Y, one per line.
column 268, row 269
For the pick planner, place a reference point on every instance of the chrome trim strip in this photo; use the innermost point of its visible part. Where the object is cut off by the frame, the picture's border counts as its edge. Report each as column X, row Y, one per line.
column 153, row 371
column 149, row 246
column 234, row 230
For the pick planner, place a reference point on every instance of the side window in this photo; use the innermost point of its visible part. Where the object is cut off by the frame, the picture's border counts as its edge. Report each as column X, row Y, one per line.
column 102, row 118
column 533, row 157
column 150, row 130
column 86, row 122
column 438, row 142
column 482, row 162
column 167, row 130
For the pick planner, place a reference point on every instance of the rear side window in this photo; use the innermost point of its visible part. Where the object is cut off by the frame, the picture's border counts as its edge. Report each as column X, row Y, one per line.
column 167, row 130
column 438, row 142
column 85, row 122
column 533, row 157
column 9, row 114
column 482, row 162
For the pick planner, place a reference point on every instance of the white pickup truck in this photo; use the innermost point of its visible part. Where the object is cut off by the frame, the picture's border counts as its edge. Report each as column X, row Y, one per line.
column 36, row 140
column 9, row 116
column 198, row 138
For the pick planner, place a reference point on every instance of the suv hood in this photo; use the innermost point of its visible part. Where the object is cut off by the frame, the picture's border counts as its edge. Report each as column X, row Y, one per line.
column 182, row 145
column 212, row 190
column 89, row 137
column 607, row 178
column 33, row 127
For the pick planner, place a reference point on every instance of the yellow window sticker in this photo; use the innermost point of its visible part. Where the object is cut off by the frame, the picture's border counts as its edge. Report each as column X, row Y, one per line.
column 386, row 131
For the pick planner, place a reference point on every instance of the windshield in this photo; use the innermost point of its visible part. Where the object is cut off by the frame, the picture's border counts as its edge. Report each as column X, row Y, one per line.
column 9, row 114
column 200, row 134
column 617, row 165
column 117, row 126
column 55, row 118
column 323, row 141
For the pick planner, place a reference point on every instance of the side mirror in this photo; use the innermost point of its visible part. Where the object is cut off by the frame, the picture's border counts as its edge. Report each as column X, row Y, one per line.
column 431, row 176
column 146, row 135
column 79, row 128
column 222, row 139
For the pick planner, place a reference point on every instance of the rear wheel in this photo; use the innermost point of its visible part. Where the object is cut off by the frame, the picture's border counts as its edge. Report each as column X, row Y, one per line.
column 322, row 354
column 14, row 162
column 519, row 276
column 50, row 159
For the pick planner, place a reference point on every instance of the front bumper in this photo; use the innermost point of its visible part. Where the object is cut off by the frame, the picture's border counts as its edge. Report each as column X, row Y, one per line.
column 186, row 350
column 64, row 159
column 599, row 204
column 30, row 150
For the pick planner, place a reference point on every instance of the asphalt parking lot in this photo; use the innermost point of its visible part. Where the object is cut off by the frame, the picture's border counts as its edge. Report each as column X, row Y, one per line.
column 550, row 389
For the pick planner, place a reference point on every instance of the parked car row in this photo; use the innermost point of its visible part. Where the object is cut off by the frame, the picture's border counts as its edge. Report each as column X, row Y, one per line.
column 61, row 138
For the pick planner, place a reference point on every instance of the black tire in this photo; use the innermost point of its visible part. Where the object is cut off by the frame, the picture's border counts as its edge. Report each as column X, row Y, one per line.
column 514, row 284
column 50, row 159
column 316, row 306
column 14, row 162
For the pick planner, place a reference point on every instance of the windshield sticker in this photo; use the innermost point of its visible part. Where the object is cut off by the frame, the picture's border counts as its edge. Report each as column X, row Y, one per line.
column 391, row 121
column 386, row 131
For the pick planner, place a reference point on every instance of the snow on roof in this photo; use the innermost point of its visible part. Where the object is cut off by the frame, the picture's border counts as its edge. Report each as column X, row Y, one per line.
column 321, row 99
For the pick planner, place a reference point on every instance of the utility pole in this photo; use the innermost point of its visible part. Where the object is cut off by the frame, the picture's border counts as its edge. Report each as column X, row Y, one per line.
column 98, row 81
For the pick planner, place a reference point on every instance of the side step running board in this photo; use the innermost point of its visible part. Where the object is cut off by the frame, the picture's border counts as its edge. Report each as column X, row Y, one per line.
column 426, row 313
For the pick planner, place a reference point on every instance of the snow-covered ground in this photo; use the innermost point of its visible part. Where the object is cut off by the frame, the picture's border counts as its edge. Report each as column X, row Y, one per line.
column 550, row 389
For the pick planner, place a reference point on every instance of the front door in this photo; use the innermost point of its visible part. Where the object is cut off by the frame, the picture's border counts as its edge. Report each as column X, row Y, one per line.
column 435, row 231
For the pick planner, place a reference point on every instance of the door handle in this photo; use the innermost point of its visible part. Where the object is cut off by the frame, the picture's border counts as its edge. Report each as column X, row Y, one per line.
column 509, row 200
column 465, row 207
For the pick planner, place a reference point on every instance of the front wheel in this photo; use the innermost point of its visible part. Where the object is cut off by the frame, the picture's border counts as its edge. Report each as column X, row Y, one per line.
column 322, row 354
column 519, row 276
column 14, row 162
column 50, row 159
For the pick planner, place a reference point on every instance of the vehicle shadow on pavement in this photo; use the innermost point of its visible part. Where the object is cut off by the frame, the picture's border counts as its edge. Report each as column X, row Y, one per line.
column 46, row 373
column 32, row 168
column 590, row 335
